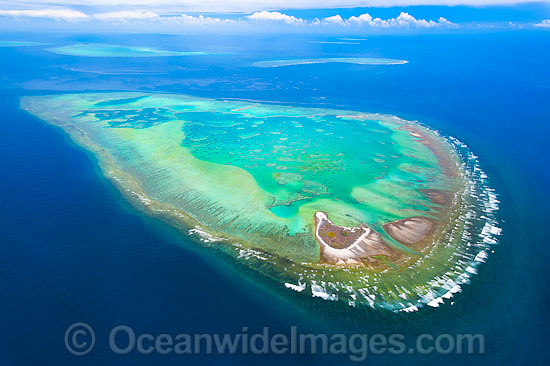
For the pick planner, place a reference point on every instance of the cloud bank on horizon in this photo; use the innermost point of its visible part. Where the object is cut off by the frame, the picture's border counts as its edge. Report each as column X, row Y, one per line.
column 247, row 6
column 160, row 12
column 404, row 20
column 57, row 14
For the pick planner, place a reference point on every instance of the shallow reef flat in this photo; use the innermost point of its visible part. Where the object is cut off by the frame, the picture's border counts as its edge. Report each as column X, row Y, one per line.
column 347, row 60
column 113, row 50
column 358, row 207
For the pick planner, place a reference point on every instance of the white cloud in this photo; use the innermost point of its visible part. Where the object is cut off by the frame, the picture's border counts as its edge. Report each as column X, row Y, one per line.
column 246, row 6
column 128, row 15
column 275, row 16
column 57, row 14
column 544, row 24
column 407, row 20
column 335, row 19
column 249, row 5
column 404, row 20
column 363, row 18
column 137, row 15
column 202, row 20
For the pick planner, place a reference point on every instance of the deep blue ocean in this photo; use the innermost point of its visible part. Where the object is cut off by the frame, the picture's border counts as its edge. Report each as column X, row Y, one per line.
column 73, row 249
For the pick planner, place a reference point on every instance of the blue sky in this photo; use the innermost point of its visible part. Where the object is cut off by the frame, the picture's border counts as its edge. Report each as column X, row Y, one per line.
column 349, row 16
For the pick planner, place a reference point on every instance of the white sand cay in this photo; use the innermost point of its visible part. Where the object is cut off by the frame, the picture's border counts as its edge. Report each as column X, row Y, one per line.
column 348, row 246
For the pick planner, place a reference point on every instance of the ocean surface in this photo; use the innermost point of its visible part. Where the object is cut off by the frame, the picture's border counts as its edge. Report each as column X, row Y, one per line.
column 72, row 249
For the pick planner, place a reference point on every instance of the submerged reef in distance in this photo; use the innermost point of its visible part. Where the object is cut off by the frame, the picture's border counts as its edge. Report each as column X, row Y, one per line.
column 20, row 43
column 348, row 206
column 113, row 50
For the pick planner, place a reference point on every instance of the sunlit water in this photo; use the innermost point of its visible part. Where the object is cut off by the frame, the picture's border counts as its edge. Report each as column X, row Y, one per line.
column 74, row 250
